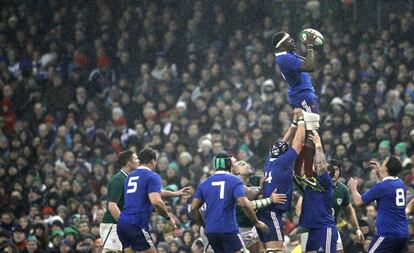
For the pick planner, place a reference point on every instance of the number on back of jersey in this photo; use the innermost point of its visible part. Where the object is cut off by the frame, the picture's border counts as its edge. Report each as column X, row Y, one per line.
column 268, row 177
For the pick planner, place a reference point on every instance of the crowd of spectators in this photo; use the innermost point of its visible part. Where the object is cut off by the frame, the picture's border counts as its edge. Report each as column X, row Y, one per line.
column 82, row 80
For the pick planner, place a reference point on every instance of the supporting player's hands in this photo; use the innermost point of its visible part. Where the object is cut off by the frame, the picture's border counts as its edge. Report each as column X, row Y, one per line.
column 310, row 39
column 375, row 164
column 278, row 198
column 315, row 138
column 360, row 236
column 352, row 183
column 184, row 191
column 297, row 114
column 263, row 227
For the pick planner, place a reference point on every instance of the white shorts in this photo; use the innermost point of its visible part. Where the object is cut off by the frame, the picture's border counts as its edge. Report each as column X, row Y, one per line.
column 109, row 236
column 304, row 239
column 249, row 236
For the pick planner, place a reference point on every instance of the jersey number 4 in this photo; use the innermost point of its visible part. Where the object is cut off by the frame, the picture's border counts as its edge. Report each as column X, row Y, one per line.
column 400, row 197
column 132, row 184
column 221, row 184
column 268, row 177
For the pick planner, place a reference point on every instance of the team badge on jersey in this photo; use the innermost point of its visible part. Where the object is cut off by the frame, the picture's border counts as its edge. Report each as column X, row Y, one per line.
column 339, row 201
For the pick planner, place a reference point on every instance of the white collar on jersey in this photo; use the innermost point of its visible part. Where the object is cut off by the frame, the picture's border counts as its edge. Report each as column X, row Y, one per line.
column 389, row 178
column 222, row 172
column 126, row 174
column 143, row 168
column 280, row 53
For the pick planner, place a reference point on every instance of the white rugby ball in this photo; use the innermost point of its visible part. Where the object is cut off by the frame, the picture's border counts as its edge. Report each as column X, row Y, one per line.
column 319, row 37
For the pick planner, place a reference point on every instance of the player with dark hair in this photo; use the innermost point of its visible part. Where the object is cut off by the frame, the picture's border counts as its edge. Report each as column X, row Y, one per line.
column 390, row 194
column 221, row 192
column 279, row 175
column 315, row 213
column 128, row 161
column 341, row 199
column 301, row 93
column 142, row 195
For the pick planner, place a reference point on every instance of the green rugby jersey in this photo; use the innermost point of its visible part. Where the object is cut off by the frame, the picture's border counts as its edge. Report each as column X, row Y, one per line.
column 115, row 194
column 242, row 219
column 340, row 199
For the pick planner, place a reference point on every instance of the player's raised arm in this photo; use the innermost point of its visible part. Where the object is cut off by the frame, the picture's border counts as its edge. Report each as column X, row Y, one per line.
column 308, row 65
column 299, row 138
column 181, row 192
column 290, row 133
column 356, row 197
column 319, row 160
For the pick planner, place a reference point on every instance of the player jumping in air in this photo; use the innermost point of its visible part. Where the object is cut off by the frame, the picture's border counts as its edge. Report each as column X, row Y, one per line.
column 294, row 69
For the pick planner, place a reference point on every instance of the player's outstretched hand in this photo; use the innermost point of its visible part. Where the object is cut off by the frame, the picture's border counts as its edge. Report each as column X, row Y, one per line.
column 184, row 191
column 315, row 138
column 278, row 198
column 170, row 226
column 352, row 183
column 360, row 236
column 297, row 113
column 263, row 227
column 310, row 38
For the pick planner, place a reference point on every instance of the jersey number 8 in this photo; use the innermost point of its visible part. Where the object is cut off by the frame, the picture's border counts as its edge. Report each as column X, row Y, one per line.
column 400, row 198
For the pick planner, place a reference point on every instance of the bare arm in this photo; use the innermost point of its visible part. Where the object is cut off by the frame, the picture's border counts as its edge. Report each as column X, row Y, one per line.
column 376, row 166
column 356, row 197
column 114, row 210
column 159, row 205
column 181, row 192
column 245, row 204
column 299, row 138
column 352, row 215
column 319, row 160
column 251, row 193
column 410, row 207
column 298, row 209
column 195, row 211
column 290, row 133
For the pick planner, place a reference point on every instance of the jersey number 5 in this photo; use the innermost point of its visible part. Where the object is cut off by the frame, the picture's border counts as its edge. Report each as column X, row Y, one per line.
column 221, row 184
column 132, row 184
column 400, row 198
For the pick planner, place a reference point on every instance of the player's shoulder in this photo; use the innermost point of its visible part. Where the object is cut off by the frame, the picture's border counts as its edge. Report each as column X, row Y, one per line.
column 119, row 177
column 283, row 56
column 341, row 186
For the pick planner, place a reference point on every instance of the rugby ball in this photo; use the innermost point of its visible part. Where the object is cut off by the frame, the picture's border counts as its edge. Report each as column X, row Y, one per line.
column 319, row 37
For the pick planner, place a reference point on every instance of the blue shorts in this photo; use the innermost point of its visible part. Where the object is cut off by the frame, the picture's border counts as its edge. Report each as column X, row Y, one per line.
column 389, row 245
column 310, row 106
column 322, row 240
column 132, row 236
column 225, row 242
column 273, row 219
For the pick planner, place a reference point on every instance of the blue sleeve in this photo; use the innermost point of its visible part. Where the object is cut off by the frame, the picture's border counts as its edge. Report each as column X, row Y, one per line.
column 288, row 62
column 198, row 194
column 239, row 190
column 154, row 184
column 372, row 194
column 325, row 180
column 288, row 158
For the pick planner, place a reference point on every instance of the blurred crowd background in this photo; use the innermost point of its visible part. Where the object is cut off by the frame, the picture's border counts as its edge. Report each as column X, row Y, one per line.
column 82, row 80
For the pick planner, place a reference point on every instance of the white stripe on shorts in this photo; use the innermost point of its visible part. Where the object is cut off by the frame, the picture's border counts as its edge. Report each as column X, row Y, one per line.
column 376, row 244
column 277, row 226
column 328, row 240
column 147, row 237
column 242, row 242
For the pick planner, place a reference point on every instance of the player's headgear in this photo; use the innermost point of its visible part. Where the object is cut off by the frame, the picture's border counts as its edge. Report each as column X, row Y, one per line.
column 279, row 38
column 331, row 167
column 222, row 162
column 278, row 148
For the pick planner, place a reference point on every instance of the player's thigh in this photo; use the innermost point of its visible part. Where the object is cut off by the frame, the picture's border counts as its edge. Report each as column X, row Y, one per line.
column 110, row 239
column 131, row 236
column 380, row 244
column 273, row 220
column 225, row 242
column 322, row 239
column 249, row 236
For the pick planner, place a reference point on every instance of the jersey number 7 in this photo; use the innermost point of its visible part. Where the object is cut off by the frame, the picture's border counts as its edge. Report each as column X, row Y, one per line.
column 221, row 184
